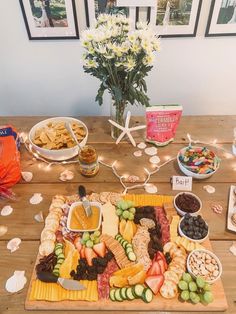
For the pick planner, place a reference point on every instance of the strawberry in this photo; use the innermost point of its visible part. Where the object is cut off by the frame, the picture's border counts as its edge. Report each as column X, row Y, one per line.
column 77, row 244
column 154, row 269
column 161, row 256
column 155, row 282
column 82, row 252
column 162, row 265
column 89, row 255
column 100, row 249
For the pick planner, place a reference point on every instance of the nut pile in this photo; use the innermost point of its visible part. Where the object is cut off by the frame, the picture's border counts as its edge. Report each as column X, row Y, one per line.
column 204, row 265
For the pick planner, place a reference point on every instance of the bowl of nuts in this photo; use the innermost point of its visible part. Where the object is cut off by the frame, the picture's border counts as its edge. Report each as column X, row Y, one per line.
column 194, row 228
column 204, row 263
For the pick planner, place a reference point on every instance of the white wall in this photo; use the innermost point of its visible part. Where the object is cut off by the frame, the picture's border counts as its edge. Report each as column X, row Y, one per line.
column 46, row 77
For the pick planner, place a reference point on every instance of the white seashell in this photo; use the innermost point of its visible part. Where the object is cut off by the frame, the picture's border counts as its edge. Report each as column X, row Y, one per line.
column 39, row 217
column 138, row 153
column 3, row 230
column 132, row 178
column 141, row 145
column 210, row 189
column 233, row 248
column 36, row 199
column 66, row 175
column 151, row 151
column 154, row 160
column 6, row 210
column 16, row 282
column 13, row 244
column 150, row 188
column 27, row 176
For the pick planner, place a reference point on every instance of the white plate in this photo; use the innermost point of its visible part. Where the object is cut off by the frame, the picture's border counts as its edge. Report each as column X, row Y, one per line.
column 231, row 208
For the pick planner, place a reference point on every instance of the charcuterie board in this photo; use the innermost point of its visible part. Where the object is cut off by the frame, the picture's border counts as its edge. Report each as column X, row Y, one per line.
column 90, row 300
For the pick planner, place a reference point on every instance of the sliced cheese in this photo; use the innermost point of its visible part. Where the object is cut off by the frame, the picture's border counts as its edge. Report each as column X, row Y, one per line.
column 110, row 220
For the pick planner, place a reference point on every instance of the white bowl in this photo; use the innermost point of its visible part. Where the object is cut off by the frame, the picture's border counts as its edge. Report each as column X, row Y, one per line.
column 190, row 173
column 181, row 212
column 190, row 239
column 57, row 154
column 73, row 205
column 211, row 254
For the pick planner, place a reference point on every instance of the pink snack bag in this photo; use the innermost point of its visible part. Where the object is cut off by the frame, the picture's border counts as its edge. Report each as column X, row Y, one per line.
column 162, row 122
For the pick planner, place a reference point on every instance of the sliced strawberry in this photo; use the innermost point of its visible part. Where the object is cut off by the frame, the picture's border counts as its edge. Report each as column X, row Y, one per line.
column 89, row 255
column 160, row 256
column 155, row 269
column 155, row 282
column 162, row 265
column 77, row 244
column 82, row 252
column 100, row 249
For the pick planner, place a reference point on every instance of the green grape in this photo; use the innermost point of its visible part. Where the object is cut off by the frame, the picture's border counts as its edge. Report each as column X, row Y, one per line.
column 192, row 286
column 208, row 297
column 86, row 236
column 92, row 237
column 96, row 241
column 125, row 214
column 89, row 243
column 132, row 210
column 183, row 285
column 207, row 287
column 131, row 216
column 124, row 205
column 119, row 212
column 120, row 203
column 187, row 277
column 130, row 204
column 185, row 295
column 195, row 299
column 200, row 282
column 97, row 233
column 82, row 241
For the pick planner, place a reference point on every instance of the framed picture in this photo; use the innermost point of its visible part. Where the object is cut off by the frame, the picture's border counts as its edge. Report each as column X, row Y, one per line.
column 50, row 19
column 95, row 7
column 146, row 11
column 177, row 18
column 222, row 18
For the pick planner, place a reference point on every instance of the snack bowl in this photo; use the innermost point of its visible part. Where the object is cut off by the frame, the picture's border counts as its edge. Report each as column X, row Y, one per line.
column 83, row 214
column 193, row 172
column 57, row 154
column 180, row 211
column 203, row 256
column 182, row 234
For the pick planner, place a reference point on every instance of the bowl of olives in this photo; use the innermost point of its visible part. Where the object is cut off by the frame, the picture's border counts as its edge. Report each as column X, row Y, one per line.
column 194, row 228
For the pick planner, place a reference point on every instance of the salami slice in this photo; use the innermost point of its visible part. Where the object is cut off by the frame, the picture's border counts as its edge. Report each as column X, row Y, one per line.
column 103, row 279
column 163, row 221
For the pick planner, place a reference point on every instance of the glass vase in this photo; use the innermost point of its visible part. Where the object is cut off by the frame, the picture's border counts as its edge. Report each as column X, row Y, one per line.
column 118, row 114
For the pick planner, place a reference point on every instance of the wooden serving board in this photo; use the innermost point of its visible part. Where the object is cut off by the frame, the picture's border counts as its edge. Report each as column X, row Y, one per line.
column 158, row 303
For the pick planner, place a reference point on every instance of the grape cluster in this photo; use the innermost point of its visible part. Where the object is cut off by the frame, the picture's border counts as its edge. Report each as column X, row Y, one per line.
column 125, row 210
column 195, row 290
column 90, row 239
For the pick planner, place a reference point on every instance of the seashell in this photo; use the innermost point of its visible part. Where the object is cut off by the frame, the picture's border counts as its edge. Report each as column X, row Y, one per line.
column 150, row 188
column 154, row 160
column 66, row 175
column 151, row 151
column 39, row 217
column 13, row 244
column 36, row 199
column 217, row 208
column 16, row 282
column 132, row 179
column 6, row 210
column 27, row 176
column 233, row 248
column 141, row 145
column 3, row 230
column 209, row 188
column 138, row 153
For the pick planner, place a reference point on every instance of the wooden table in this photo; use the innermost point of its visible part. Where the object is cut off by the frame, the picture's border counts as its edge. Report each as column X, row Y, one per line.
column 21, row 222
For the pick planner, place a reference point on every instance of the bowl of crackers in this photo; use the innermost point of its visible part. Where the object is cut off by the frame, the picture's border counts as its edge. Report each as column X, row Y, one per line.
column 50, row 138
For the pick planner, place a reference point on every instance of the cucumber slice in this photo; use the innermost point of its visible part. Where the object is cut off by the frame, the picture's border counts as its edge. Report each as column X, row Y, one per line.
column 129, row 245
column 138, row 290
column 147, row 295
column 112, row 294
column 125, row 244
column 123, row 293
column 117, row 296
column 128, row 250
column 58, row 244
column 57, row 267
column 56, row 273
column 61, row 256
column 132, row 257
column 58, row 251
column 60, row 261
column 129, row 294
column 118, row 236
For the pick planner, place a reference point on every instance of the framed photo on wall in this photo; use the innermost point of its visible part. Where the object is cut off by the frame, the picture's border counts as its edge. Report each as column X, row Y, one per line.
column 222, row 18
column 50, row 19
column 177, row 18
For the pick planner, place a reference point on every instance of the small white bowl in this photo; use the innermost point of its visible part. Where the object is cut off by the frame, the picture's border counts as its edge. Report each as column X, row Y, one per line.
column 212, row 255
column 190, row 239
column 190, row 173
column 181, row 212
column 73, row 205
column 57, row 154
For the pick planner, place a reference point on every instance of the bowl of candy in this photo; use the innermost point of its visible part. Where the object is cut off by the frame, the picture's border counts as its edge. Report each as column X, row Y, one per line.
column 198, row 162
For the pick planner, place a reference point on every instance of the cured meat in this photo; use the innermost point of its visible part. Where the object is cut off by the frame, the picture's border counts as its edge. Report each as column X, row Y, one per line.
column 163, row 221
column 103, row 279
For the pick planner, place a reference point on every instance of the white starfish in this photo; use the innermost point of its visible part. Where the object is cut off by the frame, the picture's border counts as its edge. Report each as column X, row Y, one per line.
column 126, row 129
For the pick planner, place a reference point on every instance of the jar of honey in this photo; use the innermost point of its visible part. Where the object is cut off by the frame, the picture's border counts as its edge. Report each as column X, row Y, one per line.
column 88, row 161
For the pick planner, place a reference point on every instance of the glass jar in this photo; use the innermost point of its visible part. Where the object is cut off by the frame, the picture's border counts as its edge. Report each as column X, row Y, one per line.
column 88, row 161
